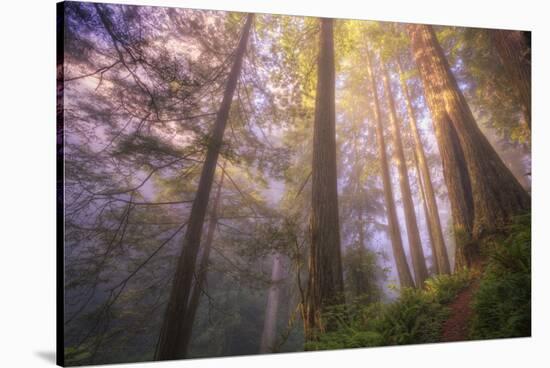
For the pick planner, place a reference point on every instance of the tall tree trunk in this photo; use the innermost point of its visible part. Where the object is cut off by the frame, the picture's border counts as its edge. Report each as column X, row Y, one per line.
column 497, row 195
column 405, row 278
column 453, row 161
column 361, row 287
column 441, row 259
column 325, row 286
column 187, row 323
column 267, row 344
column 415, row 244
column 171, row 333
column 514, row 50
column 427, row 215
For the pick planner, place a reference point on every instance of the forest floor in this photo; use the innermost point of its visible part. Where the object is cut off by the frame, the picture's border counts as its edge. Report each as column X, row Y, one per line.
column 456, row 327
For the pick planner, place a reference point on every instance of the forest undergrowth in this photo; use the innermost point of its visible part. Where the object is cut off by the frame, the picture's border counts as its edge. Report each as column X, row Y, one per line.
column 500, row 305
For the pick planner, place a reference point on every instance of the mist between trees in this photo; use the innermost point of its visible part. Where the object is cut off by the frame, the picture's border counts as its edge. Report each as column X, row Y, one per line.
column 231, row 177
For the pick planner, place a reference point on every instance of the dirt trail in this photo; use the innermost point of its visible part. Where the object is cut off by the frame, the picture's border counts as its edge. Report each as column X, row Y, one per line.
column 456, row 326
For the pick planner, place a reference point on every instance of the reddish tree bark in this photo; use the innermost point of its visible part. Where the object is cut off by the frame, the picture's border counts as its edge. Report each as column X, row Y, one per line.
column 514, row 50
column 496, row 194
column 326, row 285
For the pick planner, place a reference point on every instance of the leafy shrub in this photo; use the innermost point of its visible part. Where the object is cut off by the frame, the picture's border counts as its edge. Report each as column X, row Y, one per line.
column 502, row 305
column 415, row 317
column 445, row 287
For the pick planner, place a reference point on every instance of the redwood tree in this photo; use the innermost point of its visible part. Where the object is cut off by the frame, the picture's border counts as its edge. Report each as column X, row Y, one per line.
column 514, row 50
column 415, row 244
column 325, row 265
column 404, row 274
column 496, row 195
column 441, row 259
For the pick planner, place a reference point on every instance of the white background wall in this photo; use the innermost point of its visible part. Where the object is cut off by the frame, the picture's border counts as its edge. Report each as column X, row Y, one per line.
column 27, row 182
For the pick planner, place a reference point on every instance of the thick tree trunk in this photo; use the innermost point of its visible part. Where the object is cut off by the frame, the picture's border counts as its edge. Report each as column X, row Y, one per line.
column 415, row 244
column 325, row 265
column 497, row 195
column 267, row 344
column 514, row 50
column 455, row 173
column 187, row 323
column 441, row 258
column 171, row 333
column 405, row 278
